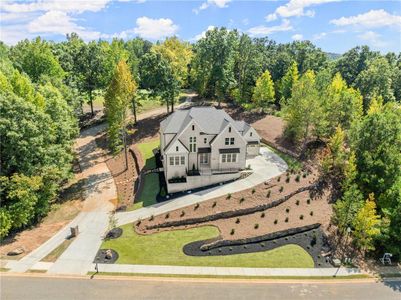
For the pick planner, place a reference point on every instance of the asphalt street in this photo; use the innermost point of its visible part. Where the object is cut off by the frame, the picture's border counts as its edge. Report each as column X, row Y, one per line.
column 52, row 288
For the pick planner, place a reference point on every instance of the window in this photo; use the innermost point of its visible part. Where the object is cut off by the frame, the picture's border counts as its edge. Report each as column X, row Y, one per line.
column 229, row 158
column 231, row 141
column 203, row 158
column 192, row 144
column 250, row 134
column 193, row 127
column 227, row 141
column 171, row 160
column 182, row 160
column 229, row 129
column 177, row 160
column 205, row 140
column 176, row 148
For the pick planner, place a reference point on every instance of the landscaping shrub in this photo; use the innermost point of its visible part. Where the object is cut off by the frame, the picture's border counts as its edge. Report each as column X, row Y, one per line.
column 278, row 179
column 262, row 215
column 138, row 223
column 196, row 206
column 182, row 213
column 228, row 196
column 256, row 226
column 167, row 215
column 151, row 218
column 287, row 210
column 297, row 178
column 287, row 179
column 232, row 231
column 241, row 200
column 275, row 221
column 301, row 217
column 311, row 213
column 253, row 191
column 286, row 220
column 163, row 191
column 304, row 175
column 268, row 193
column 262, row 244
column 237, row 221
column 297, row 202
column 281, row 189
column 214, row 204
column 308, row 201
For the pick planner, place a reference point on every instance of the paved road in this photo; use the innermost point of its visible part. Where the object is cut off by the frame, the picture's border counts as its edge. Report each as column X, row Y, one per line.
column 15, row 288
column 264, row 167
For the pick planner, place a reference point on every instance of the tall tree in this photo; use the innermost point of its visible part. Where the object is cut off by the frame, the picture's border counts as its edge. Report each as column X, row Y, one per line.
column 179, row 55
column 288, row 81
column 303, row 110
column 263, row 94
column 118, row 97
column 376, row 79
column 157, row 76
column 35, row 58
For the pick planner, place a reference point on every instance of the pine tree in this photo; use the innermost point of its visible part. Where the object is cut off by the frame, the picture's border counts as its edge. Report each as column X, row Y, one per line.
column 263, row 94
column 117, row 100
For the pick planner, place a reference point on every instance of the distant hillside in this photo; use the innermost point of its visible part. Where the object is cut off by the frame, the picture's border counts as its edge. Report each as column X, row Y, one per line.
column 333, row 56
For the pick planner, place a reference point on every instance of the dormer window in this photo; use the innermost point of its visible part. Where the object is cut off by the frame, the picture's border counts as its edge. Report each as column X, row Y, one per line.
column 193, row 127
column 229, row 129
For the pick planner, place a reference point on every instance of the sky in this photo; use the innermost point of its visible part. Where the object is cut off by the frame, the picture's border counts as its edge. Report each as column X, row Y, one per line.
column 333, row 25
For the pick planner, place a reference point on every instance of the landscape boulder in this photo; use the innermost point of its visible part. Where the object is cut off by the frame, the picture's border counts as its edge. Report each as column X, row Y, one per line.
column 16, row 251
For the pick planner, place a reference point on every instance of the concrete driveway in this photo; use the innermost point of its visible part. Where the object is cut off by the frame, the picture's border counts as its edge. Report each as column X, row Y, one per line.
column 264, row 167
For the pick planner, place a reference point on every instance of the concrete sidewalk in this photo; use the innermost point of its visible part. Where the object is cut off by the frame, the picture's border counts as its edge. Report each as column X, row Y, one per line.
column 265, row 166
column 227, row 271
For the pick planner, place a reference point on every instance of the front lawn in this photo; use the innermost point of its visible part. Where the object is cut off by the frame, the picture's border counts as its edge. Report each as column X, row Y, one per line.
column 165, row 248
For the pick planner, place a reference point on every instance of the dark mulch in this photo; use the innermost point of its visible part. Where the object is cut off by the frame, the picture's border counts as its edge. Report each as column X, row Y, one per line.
column 101, row 257
column 313, row 241
column 114, row 233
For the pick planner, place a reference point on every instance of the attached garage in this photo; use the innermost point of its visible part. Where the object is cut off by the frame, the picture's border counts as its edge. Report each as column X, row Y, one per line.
column 252, row 148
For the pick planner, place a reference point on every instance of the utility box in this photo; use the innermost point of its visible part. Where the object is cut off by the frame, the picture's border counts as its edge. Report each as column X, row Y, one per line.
column 74, row 231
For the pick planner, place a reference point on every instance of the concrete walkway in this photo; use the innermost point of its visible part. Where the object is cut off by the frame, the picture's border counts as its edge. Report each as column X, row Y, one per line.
column 92, row 221
column 265, row 166
column 227, row 271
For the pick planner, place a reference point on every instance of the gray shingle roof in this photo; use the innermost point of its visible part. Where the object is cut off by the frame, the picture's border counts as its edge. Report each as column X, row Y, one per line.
column 210, row 120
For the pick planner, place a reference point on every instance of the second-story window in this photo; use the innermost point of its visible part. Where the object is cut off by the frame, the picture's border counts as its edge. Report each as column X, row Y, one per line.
column 192, row 144
column 231, row 141
column 205, row 140
column 227, row 141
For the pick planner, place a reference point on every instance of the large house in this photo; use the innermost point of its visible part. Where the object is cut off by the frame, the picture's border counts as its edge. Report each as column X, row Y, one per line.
column 204, row 146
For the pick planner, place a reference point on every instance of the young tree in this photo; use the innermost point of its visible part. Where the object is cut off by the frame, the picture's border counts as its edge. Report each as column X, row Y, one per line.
column 366, row 225
column 263, row 94
column 117, row 100
column 288, row 81
column 336, row 158
column 303, row 111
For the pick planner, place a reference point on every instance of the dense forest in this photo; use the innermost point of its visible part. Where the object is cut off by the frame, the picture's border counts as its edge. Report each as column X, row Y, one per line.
column 351, row 104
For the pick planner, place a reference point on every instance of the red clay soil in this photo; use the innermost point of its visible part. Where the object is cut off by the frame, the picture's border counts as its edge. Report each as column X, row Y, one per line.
column 246, row 226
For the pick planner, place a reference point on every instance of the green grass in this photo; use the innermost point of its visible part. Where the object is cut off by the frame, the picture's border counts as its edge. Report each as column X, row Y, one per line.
column 361, row 276
column 4, row 269
column 52, row 256
column 165, row 248
column 151, row 181
column 293, row 163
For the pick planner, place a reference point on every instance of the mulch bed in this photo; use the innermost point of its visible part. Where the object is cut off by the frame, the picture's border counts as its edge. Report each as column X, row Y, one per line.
column 101, row 257
column 114, row 233
column 313, row 241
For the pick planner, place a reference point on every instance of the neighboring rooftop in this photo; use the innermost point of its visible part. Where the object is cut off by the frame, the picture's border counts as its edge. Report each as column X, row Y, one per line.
column 209, row 119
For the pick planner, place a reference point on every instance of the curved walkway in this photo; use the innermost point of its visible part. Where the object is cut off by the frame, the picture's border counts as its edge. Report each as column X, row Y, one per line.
column 92, row 221
column 265, row 166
